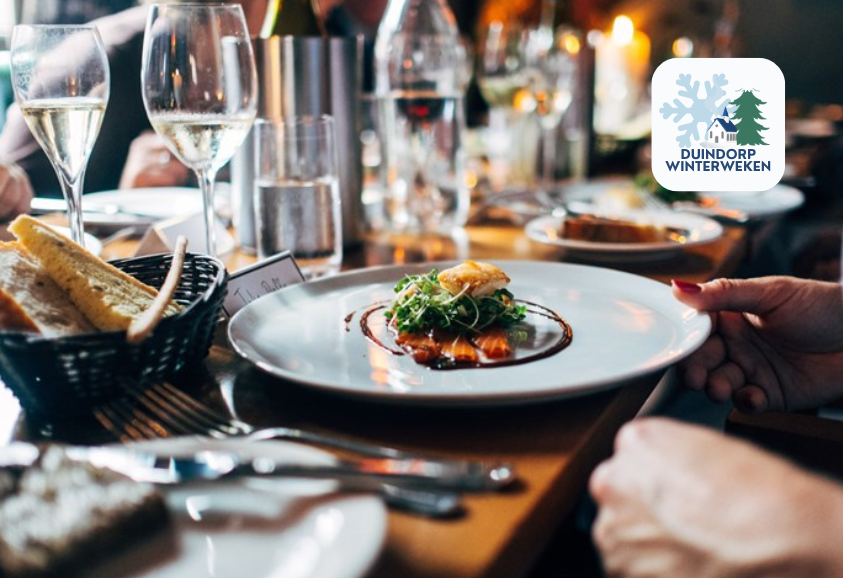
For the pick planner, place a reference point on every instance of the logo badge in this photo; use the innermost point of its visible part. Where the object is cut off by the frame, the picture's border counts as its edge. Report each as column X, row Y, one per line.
column 718, row 124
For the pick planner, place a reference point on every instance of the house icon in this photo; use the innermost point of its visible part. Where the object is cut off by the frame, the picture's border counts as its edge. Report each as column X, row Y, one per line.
column 722, row 132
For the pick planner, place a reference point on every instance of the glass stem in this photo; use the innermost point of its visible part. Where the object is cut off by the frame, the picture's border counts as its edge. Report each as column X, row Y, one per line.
column 206, row 184
column 549, row 160
column 72, row 191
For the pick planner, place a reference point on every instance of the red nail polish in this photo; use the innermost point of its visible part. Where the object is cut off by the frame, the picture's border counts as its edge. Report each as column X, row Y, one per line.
column 686, row 287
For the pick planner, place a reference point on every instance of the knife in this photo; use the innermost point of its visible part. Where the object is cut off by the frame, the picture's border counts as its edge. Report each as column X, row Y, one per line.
column 434, row 503
column 209, row 465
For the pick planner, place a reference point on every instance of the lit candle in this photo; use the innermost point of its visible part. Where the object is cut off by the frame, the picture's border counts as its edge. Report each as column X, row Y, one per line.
column 622, row 71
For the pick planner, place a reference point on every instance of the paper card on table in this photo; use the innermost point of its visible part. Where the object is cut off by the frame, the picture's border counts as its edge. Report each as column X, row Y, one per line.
column 257, row 280
column 161, row 238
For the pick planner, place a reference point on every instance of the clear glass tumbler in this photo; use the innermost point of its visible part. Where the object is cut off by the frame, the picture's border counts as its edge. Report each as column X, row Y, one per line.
column 297, row 196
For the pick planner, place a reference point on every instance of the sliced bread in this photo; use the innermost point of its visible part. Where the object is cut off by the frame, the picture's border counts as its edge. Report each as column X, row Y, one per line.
column 31, row 301
column 107, row 296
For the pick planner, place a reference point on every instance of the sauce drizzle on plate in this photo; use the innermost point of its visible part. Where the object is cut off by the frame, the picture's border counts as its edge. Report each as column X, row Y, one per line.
column 438, row 341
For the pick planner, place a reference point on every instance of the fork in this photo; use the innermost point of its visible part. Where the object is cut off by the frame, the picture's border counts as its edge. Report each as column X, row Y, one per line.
column 130, row 423
column 165, row 410
column 176, row 412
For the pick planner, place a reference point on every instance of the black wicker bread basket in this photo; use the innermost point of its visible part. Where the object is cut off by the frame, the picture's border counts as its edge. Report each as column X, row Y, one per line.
column 70, row 375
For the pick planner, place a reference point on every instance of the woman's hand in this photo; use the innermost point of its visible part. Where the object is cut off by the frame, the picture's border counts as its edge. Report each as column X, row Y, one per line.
column 777, row 342
column 151, row 164
column 687, row 502
column 15, row 191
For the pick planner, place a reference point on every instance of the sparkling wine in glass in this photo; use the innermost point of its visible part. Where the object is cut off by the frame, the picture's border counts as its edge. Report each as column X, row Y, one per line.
column 61, row 82
column 200, row 88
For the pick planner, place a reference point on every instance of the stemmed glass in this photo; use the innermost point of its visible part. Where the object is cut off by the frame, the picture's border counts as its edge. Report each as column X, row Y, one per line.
column 500, row 70
column 550, row 64
column 500, row 77
column 61, row 82
column 200, row 88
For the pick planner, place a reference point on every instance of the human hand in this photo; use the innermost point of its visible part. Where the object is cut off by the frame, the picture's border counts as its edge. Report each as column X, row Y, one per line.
column 777, row 342
column 687, row 502
column 15, row 191
column 151, row 164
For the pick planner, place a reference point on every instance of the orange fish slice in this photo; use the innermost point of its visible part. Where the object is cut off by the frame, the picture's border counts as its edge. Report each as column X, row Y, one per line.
column 494, row 343
column 458, row 348
column 422, row 347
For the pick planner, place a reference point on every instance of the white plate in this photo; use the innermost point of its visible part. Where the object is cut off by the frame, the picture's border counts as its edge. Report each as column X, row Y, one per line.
column 259, row 528
column 92, row 244
column 154, row 202
column 701, row 230
column 761, row 205
column 623, row 326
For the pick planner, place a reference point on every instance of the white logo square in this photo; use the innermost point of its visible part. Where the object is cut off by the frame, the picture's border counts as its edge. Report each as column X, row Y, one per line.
column 718, row 124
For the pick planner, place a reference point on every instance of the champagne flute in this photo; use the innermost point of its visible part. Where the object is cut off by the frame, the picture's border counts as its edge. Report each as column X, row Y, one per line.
column 200, row 88
column 550, row 69
column 61, row 83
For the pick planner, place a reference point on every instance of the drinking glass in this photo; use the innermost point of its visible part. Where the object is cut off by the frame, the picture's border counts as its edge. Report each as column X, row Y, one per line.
column 500, row 77
column 297, row 195
column 200, row 88
column 550, row 71
column 500, row 66
column 61, row 83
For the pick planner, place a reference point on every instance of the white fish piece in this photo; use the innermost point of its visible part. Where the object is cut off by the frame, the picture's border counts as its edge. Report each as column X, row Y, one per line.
column 473, row 278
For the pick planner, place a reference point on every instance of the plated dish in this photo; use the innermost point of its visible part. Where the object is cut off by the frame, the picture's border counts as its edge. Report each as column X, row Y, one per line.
column 154, row 203
column 259, row 528
column 678, row 231
column 620, row 195
column 774, row 202
column 311, row 334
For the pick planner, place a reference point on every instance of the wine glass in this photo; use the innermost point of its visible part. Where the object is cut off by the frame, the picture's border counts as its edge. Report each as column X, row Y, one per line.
column 550, row 64
column 200, row 88
column 500, row 66
column 61, row 83
column 500, row 76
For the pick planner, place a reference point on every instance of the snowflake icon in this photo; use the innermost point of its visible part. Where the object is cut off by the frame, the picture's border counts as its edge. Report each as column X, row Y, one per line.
column 701, row 110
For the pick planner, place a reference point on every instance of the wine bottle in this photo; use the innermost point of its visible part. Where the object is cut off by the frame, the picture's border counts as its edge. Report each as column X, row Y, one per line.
column 292, row 18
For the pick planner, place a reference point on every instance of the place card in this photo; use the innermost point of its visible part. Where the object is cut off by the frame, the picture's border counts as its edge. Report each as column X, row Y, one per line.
column 161, row 237
column 257, row 280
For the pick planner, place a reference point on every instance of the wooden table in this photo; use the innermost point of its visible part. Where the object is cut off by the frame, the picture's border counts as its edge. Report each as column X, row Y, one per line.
column 554, row 446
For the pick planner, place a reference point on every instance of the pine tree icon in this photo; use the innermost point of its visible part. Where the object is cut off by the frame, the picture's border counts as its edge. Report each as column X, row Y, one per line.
column 749, row 131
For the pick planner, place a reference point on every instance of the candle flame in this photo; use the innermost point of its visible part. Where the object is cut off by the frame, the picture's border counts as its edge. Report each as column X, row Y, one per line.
column 622, row 31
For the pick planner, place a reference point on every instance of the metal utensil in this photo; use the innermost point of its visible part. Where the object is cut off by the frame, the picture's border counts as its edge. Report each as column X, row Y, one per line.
column 209, row 465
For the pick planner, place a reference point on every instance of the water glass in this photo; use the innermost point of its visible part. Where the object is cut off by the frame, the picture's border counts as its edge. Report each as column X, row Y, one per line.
column 297, row 196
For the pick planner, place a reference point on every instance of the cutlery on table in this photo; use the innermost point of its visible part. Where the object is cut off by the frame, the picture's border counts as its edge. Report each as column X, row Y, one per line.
column 209, row 465
column 163, row 411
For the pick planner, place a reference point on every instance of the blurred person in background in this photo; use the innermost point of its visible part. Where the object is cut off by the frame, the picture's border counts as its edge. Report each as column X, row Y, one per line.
column 127, row 153
column 15, row 191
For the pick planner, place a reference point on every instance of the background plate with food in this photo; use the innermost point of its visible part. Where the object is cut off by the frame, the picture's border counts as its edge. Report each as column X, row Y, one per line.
column 631, row 235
